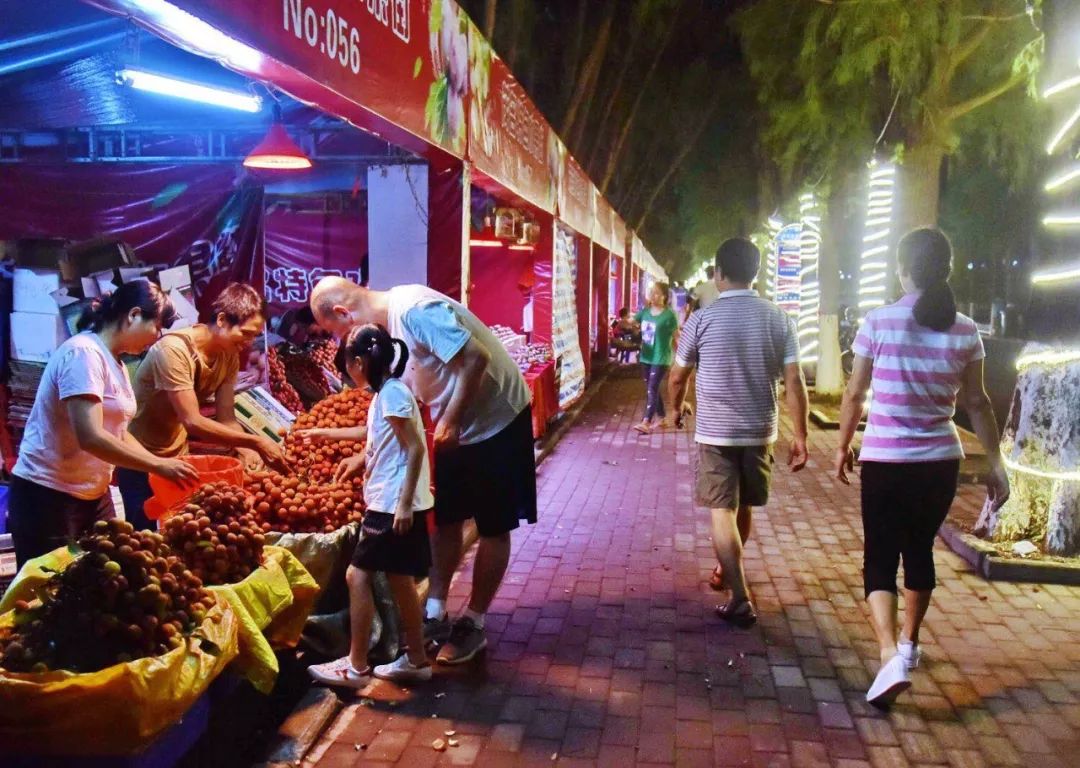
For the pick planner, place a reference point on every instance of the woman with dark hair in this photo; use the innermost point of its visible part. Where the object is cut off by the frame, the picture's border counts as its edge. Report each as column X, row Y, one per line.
column 77, row 430
column 185, row 370
column 397, row 495
column 659, row 335
column 922, row 357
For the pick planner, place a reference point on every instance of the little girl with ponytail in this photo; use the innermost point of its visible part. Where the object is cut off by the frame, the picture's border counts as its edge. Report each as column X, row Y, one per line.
column 397, row 494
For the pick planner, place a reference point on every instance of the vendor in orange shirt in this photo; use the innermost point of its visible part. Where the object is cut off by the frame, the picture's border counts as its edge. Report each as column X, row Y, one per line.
column 184, row 371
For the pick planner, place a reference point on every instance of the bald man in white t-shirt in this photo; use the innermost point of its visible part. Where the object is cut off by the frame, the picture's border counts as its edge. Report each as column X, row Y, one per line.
column 484, row 464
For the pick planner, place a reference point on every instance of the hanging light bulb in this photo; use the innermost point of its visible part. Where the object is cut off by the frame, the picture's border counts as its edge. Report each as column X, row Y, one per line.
column 277, row 151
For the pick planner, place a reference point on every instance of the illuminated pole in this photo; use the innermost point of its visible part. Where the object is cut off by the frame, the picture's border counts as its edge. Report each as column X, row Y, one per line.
column 774, row 225
column 810, row 296
column 874, row 261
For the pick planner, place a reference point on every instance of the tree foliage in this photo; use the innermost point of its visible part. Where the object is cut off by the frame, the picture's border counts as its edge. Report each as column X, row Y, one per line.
column 651, row 97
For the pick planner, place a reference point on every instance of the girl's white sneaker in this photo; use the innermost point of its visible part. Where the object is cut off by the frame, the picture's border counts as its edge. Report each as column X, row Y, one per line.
column 403, row 671
column 890, row 682
column 340, row 672
column 910, row 652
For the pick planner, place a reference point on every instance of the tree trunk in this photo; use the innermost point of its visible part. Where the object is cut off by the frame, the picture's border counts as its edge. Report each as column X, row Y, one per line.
column 489, row 18
column 586, row 81
column 676, row 162
column 624, row 132
column 845, row 186
column 917, row 196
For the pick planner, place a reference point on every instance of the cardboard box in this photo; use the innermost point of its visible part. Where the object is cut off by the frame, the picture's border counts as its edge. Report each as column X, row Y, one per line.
column 34, row 337
column 98, row 255
column 31, row 289
column 255, row 419
column 175, row 277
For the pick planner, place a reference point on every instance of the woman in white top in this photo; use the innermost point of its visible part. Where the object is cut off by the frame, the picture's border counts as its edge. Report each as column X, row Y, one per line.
column 77, row 430
column 397, row 494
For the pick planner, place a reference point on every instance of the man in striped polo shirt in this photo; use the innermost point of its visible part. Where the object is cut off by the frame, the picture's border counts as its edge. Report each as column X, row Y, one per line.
column 742, row 346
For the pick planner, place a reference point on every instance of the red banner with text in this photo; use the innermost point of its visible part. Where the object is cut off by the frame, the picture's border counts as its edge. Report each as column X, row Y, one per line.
column 576, row 197
column 509, row 140
column 404, row 60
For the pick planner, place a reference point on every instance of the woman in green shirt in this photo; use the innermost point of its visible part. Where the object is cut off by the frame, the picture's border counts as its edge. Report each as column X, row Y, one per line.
column 659, row 334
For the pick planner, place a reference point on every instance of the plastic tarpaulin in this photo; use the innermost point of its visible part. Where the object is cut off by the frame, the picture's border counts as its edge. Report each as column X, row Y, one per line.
column 543, row 293
column 271, row 606
column 303, row 247
column 564, row 319
column 199, row 215
column 501, row 278
column 601, row 267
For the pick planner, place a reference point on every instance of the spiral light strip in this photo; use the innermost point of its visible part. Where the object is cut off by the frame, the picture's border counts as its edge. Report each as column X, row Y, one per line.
column 874, row 261
column 772, row 258
column 810, row 297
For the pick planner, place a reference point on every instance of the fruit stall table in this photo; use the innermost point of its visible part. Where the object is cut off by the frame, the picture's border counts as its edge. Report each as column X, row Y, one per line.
column 545, row 396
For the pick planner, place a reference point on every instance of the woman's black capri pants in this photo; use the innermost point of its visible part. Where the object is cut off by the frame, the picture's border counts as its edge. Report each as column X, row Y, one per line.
column 903, row 505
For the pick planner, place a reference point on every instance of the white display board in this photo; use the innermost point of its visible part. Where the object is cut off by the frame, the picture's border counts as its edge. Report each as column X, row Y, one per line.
column 397, row 225
column 564, row 326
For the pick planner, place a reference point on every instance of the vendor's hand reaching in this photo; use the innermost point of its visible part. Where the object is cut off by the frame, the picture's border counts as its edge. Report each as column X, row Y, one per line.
column 350, row 468
column 315, row 434
column 251, row 460
column 403, row 519
column 272, row 453
column 178, row 471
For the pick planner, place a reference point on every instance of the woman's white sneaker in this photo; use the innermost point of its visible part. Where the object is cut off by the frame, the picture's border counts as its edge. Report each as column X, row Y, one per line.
column 403, row 671
column 910, row 652
column 340, row 672
column 890, row 682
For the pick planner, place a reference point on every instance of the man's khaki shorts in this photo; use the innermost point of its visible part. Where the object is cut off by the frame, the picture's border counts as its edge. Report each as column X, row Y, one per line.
column 729, row 477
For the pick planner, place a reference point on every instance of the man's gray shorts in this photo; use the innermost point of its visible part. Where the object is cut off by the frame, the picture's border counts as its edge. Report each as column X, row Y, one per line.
column 729, row 477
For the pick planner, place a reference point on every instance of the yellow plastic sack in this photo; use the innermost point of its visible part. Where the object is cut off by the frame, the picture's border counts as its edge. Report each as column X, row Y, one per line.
column 271, row 606
column 34, row 574
column 116, row 710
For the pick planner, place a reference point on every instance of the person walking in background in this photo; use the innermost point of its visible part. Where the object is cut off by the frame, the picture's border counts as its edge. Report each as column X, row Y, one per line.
column 77, row 430
column 484, row 465
column 705, row 292
column 742, row 345
column 659, row 333
column 919, row 355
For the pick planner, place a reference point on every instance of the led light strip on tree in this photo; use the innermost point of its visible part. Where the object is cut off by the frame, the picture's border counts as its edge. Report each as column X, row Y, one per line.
column 874, row 261
column 810, row 298
column 774, row 226
column 1063, row 180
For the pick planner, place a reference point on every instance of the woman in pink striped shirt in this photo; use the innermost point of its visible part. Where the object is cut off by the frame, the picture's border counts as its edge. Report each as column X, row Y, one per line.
column 921, row 356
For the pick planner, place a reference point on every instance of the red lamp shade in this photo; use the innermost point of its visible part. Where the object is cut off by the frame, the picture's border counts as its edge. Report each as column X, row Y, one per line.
column 277, row 151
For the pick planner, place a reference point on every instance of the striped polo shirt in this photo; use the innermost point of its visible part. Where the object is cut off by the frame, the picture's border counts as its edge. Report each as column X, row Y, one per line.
column 740, row 344
column 916, row 376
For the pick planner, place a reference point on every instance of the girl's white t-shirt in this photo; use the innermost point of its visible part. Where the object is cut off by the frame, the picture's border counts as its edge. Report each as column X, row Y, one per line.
column 50, row 454
column 387, row 461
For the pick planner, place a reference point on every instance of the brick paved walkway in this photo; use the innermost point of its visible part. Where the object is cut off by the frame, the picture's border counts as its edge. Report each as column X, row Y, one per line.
column 605, row 649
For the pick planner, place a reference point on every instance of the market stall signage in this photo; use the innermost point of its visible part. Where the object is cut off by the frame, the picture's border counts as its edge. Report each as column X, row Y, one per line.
column 618, row 234
column 602, row 225
column 403, row 60
column 509, row 139
column 789, row 268
column 576, row 197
